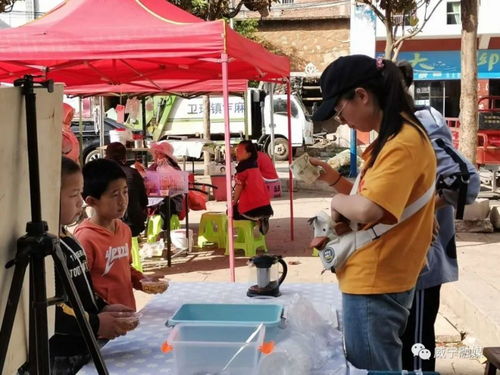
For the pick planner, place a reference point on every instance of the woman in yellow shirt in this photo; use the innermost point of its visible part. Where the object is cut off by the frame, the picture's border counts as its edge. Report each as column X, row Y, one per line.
column 378, row 280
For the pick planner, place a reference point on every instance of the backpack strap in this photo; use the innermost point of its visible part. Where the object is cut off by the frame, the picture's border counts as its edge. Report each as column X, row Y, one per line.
column 337, row 251
column 462, row 179
column 368, row 235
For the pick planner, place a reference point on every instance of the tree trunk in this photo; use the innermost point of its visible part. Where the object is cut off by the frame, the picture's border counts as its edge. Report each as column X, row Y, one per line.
column 206, row 131
column 389, row 34
column 468, row 97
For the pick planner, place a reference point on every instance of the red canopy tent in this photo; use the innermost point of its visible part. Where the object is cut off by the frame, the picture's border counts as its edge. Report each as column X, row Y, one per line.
column 165, row 86
column 137, row 42
column 118, row 41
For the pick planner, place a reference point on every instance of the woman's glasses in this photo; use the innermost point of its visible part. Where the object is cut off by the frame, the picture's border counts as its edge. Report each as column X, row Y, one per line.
column 338, row 115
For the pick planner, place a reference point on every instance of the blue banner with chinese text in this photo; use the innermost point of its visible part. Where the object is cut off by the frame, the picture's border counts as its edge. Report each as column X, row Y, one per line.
column 442, row 65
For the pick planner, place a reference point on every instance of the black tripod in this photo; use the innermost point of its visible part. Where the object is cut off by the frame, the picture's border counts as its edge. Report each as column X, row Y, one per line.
column 32, row 248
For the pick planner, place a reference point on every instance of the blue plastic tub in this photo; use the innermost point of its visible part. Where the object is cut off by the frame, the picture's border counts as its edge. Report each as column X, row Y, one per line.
column 229, row 314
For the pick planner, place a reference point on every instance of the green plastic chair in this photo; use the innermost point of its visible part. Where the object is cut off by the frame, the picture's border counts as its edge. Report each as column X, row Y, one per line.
column 155, row 223
column 246, row 239
column 136, row 258
column 213, row 229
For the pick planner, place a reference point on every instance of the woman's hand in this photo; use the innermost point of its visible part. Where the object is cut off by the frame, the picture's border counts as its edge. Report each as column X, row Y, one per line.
column 329, row 175
column 340, row 223
column 336, row 216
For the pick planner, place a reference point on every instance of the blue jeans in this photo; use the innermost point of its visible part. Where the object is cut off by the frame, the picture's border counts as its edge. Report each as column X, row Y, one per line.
column 373, row 325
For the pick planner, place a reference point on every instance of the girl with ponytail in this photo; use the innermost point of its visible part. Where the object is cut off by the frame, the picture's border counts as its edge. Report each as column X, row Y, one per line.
column 378, row 280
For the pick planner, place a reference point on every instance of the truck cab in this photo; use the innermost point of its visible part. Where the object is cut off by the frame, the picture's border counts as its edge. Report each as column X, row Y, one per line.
column 302, row 126
column 249, row 115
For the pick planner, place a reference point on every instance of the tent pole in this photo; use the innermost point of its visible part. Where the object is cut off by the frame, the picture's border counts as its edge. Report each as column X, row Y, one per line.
column 143, row 119
column 290, row 177
column 271, row 119
column 227, row 143
column 80, row 129
column 144, row 159
column 101, row 124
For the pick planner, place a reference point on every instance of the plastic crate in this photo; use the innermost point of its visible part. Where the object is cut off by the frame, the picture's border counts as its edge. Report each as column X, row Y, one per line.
column 166, row 182
column 230, row 314
column 208, row 349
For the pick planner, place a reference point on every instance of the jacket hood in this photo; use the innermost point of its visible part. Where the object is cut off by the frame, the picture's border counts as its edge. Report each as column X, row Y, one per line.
column 97, row 228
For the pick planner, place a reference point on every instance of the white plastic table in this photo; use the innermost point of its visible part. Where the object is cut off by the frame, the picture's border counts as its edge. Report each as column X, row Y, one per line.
column 139, row 352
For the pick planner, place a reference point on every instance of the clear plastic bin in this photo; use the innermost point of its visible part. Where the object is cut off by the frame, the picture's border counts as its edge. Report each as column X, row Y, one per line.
column 166, row 182
column 200, row 349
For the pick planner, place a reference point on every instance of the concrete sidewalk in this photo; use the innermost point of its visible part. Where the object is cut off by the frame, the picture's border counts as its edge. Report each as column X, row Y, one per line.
column 470, row 313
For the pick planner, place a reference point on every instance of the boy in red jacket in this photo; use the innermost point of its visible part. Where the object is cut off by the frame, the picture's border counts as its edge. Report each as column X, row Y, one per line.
column 105, row 238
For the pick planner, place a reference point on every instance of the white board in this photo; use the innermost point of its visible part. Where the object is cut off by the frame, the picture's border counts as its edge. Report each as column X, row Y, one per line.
column 15, row 199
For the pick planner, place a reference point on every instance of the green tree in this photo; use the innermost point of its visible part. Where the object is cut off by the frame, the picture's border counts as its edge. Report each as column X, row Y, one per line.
column 227, row 9
column 216, row 9
column 401, row 20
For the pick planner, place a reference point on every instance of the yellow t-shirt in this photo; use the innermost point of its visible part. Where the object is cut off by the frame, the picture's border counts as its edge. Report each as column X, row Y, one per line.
column 403, row 171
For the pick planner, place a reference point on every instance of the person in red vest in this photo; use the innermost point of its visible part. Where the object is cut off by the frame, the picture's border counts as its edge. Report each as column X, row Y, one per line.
column 266, row 166
column 250, row 196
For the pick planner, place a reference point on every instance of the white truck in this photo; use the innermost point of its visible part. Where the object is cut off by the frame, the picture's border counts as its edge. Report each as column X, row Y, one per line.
column 250, row 116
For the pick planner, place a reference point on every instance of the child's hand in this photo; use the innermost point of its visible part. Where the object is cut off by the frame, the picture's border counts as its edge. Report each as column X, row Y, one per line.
column 114, row 324
column 151, row 285
column 117, row 308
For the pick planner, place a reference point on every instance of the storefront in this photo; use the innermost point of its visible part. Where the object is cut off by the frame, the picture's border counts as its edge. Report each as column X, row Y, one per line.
column 437, row 77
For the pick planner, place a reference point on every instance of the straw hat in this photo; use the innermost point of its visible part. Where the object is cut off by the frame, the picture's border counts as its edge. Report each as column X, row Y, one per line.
column 163, row 147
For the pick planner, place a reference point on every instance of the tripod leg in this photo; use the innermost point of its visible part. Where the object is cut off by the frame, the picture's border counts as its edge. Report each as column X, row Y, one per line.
column 74, row 298
column 10, row 310
column 39, row 336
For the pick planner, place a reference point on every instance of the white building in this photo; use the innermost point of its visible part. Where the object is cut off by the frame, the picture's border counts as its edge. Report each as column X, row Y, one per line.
column 25, row 11
column 435, row 54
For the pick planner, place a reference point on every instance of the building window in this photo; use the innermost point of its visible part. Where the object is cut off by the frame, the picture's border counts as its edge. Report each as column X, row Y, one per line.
column 404, row 19
column 453, row 13
column 280, row 108
column 285, row 2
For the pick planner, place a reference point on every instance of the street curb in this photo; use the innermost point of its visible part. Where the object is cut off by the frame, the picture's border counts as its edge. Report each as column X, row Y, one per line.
column 471, row 299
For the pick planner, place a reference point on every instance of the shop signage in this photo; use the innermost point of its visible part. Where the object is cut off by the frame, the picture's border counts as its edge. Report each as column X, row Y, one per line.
column 441, row 65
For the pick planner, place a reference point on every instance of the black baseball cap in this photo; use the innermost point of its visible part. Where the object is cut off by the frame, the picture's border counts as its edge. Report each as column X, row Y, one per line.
column 340, row 76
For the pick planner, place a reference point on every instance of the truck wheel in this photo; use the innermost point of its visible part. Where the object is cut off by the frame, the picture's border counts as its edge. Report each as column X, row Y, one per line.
column 281, row 150
column 92, row 155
